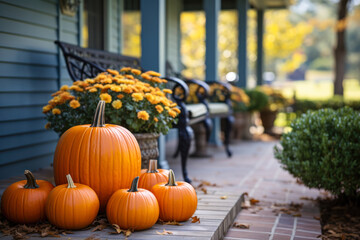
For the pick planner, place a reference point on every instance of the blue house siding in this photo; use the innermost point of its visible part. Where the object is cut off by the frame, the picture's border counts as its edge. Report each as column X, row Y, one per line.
column 29, row 73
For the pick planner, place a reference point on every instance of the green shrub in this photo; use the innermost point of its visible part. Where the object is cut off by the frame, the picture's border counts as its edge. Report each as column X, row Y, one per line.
column 258, row 100
column 323, row 150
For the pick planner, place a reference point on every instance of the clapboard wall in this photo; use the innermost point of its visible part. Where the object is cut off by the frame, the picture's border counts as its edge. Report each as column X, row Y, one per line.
column 31, row 68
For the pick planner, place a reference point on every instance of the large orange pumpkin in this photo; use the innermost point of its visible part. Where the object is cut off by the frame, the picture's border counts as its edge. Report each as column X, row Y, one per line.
column 103, row 156
column 24, row 201
column 135, row 208
column 153, row 175
column 177, row 200
column 71, row 206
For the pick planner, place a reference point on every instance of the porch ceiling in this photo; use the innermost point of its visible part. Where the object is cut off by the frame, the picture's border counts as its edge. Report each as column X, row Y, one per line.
column 270, row 4
column 197, row 5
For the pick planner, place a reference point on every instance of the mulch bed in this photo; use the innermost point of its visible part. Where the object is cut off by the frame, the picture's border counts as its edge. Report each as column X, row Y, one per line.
column 339, row 221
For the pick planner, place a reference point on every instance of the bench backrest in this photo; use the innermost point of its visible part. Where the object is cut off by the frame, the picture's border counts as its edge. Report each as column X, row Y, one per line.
column 87, row 63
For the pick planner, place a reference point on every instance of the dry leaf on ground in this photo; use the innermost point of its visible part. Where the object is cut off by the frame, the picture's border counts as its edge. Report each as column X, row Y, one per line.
column 164, row 232
column 224, row 197
column 204, row 190
column 119, row 230
column 254, row 201
column 241, row 225
column 171, row 223
column 195, row 219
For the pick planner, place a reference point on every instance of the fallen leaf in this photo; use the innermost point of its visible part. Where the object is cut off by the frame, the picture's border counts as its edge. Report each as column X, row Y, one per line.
column 99, row 228
column 127, row 233
column 172, row 223
column 254, row 201
column 117, row 228
column 297, row 215
column 317, row 218
column 91, row 238
column 241, row 225
column 195, row 219
column 204, row 190
column 164, row 232
column 223, row 197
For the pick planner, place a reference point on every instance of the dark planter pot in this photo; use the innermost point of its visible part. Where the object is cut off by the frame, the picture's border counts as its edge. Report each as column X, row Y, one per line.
column 148, row 143
column 268, row 118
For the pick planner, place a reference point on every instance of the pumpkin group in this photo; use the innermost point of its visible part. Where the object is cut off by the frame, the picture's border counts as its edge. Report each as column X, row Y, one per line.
column 103, row 156
column 177, row 200
column 151, row 176
column 24, row 201
column 135, row 209
column 71, row 206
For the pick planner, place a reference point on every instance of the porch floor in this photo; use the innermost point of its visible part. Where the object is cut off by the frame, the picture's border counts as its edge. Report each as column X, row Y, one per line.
column 286, row 209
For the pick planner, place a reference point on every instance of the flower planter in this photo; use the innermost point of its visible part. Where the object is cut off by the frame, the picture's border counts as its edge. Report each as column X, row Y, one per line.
column 268, row 118
column 148, row 143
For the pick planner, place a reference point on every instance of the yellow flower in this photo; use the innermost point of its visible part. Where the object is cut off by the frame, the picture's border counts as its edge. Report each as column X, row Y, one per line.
column 156, row 119
column 125, row 69
column 47, row 108
column 159, row 108
column 127, row 89
column 117, row 104
column 156, row 79
column 155, row 101
column 173, row 105
column 150, row 97
column 48, row 125
column 76, row 88
column 135, row 71
column 106, row 81
column 165, row 101
column 167, row 91
column 113, row 72
column 120, row 96
column 89, row 81
column 106, row 97
column 93, row 89
column 56, row 111
column 56, row 93
column 137, row 97
column 156, row 74
column 64, row 88
column 143, row 115
column 130, row 77
column 172, row 113
column 98, row 86
column 74, row 104
column 146, row 76
column 176, row 110
column 115, row 89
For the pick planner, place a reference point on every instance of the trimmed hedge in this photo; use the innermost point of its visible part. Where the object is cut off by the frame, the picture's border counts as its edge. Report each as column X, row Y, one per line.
column 323, row 150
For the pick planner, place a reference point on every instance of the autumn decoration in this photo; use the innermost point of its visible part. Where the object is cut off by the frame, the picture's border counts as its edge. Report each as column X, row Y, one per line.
column 151, row 176
column 135, row 100
column 72, row 206
column 135, row 209
column 177, row 199
column 24, row 201
column 103, row 156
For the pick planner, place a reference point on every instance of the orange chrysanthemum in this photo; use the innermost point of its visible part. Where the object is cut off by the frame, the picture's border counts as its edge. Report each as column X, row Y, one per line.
column 74, row 104
column 137, row 97
column 105, row 97
column 143, row 115
column 56, row 111
column 117, row 104
column 159, row 108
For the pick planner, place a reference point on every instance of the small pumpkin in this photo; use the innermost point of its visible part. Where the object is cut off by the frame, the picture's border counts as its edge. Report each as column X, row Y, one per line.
column 103, row 156
column 177, row 200
column 71, row 206
column 135, row 209
column 24, row 201
column 153, row 175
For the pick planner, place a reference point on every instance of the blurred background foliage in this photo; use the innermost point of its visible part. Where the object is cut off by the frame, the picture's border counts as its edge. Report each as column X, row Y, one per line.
column 298, row 46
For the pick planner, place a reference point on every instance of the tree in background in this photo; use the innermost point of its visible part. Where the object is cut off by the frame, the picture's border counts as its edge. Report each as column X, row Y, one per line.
column 340, row 49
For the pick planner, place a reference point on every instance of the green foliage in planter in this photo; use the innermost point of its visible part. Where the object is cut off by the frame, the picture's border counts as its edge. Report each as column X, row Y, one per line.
column 258, row 100
column 323, row 150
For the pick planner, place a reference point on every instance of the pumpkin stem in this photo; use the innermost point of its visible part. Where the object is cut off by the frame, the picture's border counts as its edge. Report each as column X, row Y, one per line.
column 134, row 185
column 152, row 166
column 171, row 181
column 70, row 182
column 99, row 117
column 31, row 182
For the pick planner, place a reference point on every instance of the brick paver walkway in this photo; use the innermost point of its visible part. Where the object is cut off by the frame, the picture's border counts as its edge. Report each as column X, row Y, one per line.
column 286, row 209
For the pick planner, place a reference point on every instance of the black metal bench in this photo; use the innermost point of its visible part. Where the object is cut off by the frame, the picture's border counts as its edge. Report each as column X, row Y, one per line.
column 85, row 63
